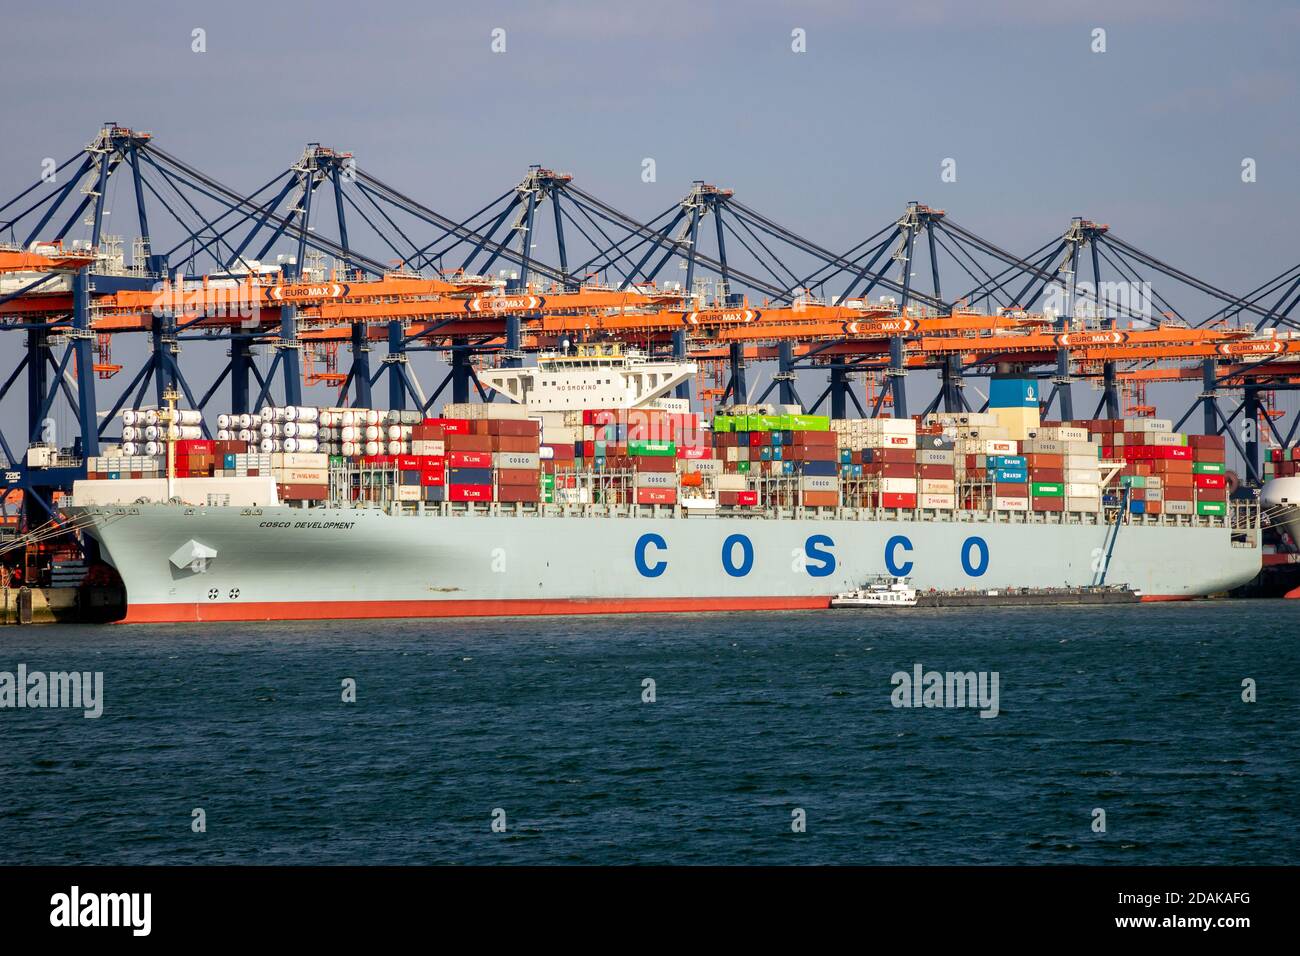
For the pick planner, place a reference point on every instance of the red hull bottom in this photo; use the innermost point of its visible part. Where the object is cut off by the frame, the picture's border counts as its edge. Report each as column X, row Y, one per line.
column 344, row 610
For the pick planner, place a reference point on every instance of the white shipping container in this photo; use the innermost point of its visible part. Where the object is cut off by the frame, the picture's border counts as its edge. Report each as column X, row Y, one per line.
column 702, row 466
column 408, row 492
column 301, row 476
column 888, row 440
column 656, row 479
column 1077, row 490
column 1082, row 504
column 996, row 446
column 936, row 486
column 1081, row 462
column 296, row 460
column 898, row 486
column 516, row 459
column 935, row 456
column 818, row 483
column 942, row 502
column 1083, row 476
column 1175, row 507
column 1148, row 425
column 1003, row 503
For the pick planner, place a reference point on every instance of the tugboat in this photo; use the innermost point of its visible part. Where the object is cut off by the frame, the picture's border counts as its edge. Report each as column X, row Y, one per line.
column 881, row 591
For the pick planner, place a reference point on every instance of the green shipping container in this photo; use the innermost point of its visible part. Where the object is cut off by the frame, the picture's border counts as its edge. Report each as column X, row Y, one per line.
column 724, row 423
column 1208, row 468
column 652, row 449
column 1211, row 507
column 1133, row 481
column 742, row 467
column 809, row 423
column 1047, row 489
column 548, row 482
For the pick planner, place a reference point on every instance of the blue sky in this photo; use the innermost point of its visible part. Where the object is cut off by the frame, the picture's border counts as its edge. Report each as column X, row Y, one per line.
column 1147, row 137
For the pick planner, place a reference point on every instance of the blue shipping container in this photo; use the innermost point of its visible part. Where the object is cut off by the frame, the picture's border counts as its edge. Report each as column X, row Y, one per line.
column 1013, row 393
column 468, row 476
column 1007, row 461
column 1010, row 475
column 826, row 468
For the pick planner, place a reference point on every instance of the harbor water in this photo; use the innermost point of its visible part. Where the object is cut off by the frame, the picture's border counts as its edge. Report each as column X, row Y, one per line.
column 758, row 723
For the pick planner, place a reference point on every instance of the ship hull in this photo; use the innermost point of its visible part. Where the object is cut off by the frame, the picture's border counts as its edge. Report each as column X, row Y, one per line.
column 280, row 563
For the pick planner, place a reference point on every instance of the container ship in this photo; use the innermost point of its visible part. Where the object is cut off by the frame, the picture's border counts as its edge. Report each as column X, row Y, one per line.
column 590, row 490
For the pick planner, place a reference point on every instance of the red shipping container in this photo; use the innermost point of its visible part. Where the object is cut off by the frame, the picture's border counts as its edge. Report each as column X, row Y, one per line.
column 891, row 500
column 893, row 455
column 889, row 470
column 517, row 476
column 939, row 472
column 815, row 439
column 450, row 426
column 1211, row 494
column 469, row 492
column 694, row 452
column 433, row 478
column 747, row 498
column 529, row 444
column 194, row 446
column 655, row 463
column 303, row 492
column 656, row 496
column 510, row 494
column 1210, row 481
column 459, row 442
column 1048, row 504
column 469, row 459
